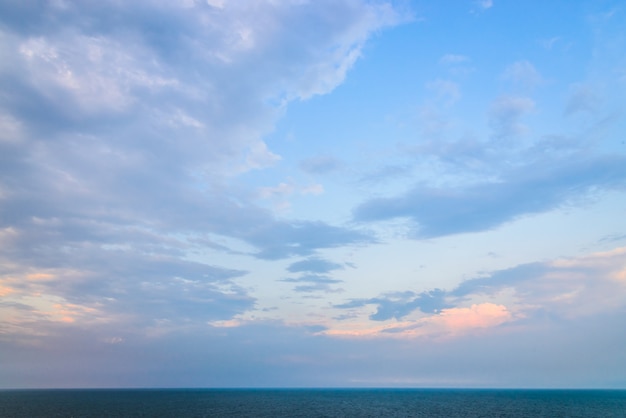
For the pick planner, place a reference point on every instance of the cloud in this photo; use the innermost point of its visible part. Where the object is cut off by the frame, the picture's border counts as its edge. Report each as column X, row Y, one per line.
column 549, row 43
column 446, row 91
column 279, row 194
column 583, row 98
column 312, row 278
column 523, row 73
column 314, row 265
column 320, row 164
column 284, row 239
column 313, row 274
column 451, row 59
column 481, row 5
column 139, row 248
column 505, row 115
column 484, row 315
column 566, row 288
column 523, row 191
column 456, row 64
column 125, row 130
column 485, row 4
column 280, row 190
column 613, row 238
column 312, row 283
column 123, row 285
column 558, row 290
column 386, row 174
column 447, row 324
column 399, row 305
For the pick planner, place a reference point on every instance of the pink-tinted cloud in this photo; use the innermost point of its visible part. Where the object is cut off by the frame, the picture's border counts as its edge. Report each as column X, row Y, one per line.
column 482, row 315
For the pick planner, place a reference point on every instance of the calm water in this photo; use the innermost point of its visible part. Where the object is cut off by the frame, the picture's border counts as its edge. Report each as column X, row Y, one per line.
column 312, row 403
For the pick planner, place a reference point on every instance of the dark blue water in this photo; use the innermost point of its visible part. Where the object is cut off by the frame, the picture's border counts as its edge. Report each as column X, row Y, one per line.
column 312, row 403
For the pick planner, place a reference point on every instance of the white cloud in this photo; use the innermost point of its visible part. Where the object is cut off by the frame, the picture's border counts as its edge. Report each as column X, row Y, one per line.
column 259, row 157
column 485, row 4
column 96, row 72
column 314, row 189
column 282, row 189
column 11, row 129
column 449, row 59
column 550, row 42
column 456, row 64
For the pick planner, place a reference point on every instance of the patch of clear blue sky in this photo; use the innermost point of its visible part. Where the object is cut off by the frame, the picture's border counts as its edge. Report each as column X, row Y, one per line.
column 376, row 109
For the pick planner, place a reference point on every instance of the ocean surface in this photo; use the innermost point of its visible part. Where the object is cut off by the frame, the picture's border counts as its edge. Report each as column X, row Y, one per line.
column 311, row 403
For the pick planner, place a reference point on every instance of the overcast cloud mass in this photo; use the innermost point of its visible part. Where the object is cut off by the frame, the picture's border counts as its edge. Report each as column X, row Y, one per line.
column 312, row 193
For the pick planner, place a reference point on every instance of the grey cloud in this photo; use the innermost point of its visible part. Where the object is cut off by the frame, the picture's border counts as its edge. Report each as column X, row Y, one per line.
column 313, row 283
column 282, row 239
column 399, row 305
column 311, row 278
column 613, row 238
column 583, row 98
column 146, row 287
column 321, row 164
column 314, row 265
column 468, row 153
column 386, row 173
column 499, row 280
column 527, row 190
column 316, row 287
column 505, row 115
column 104, row 210
column 141, row 152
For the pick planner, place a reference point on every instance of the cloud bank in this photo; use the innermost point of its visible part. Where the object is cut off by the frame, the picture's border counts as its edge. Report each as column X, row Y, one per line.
column 125, row 129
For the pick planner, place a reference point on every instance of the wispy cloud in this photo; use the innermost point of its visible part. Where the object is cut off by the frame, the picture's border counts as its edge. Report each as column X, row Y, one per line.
column 523, row 191
column 452, row 59
column 523, row 73
column 446, row 91
column 485, row 4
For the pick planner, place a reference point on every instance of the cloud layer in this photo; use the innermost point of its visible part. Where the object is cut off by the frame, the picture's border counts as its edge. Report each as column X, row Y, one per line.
column 126, row 127
column 312, row 193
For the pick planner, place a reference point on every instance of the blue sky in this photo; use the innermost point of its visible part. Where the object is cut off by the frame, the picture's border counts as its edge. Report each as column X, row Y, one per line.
column 313, row 193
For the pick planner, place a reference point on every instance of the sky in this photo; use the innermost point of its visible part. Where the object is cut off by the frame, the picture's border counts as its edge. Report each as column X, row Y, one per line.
column 328, row 193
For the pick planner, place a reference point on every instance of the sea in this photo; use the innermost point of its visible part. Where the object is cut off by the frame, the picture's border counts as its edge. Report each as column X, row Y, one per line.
column 181, row 403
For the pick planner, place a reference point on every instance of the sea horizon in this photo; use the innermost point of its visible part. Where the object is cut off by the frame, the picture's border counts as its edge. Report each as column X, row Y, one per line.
column 365, row 388
column 305, row 402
